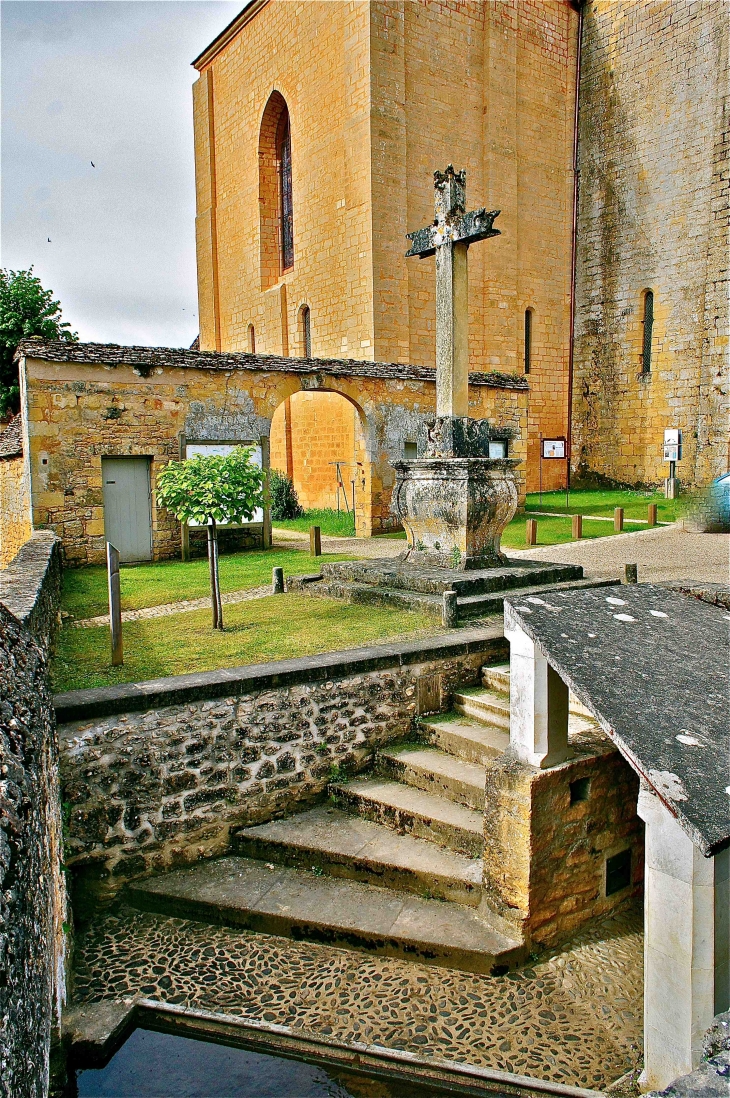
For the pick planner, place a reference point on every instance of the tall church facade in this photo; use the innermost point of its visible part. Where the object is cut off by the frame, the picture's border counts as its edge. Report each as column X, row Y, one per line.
column 318, row 126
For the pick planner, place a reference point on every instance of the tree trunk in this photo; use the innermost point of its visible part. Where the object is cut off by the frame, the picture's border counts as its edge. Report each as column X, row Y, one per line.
column 215, row 587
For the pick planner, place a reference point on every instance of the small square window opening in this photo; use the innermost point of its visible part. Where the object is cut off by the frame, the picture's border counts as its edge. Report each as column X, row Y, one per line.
column 618, row 872
column 580, row 790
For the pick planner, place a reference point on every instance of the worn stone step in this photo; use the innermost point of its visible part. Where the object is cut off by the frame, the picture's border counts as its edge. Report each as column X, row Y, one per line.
column 404, row 808
column 341, row 845
column 473, row 741
column 476, row 606
column 482, row 705
column 271, row 899
column 394, row 575
column 436, row 772
column 496, row 677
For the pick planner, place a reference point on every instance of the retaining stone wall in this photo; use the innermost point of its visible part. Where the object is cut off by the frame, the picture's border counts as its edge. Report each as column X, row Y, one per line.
column 162, row 787
column 32, row 887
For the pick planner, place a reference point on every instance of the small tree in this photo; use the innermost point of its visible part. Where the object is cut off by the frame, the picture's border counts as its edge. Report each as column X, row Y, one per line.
column 26, row 309
column 209, row 490
column 284, row 499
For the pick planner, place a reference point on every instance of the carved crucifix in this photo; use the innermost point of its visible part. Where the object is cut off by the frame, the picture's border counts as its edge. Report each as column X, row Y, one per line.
column 449, row 237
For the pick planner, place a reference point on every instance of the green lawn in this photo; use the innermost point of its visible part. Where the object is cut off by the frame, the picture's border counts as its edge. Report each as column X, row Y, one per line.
column 84, row 592
column 635, row 504
column 331, row 523
column 272, row 628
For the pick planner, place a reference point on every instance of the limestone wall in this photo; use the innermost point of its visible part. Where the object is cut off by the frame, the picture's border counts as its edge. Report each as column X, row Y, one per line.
column 653, row 216
column 32, row 884
column 15, row 528
column 545, row 857
column 380, row 94
column 86, row 401
column 322, row 428
column 158, row 777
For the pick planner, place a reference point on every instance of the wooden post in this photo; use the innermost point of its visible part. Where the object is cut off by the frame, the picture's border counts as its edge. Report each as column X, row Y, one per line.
column 652, row 514
column 618, row 519
column 315, row 541
column 115, row 604
column 577, row 527
column 531, row 532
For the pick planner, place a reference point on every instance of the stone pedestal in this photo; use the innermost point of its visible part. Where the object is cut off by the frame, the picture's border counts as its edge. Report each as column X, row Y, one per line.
column 455, row 500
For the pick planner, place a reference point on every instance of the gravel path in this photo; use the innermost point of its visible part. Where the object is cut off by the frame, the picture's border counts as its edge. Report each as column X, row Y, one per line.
column 174, row 607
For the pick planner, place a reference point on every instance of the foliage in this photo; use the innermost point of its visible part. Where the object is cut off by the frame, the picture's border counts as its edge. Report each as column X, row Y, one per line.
column 26, row 309
column 284, row 500
column 224, row 489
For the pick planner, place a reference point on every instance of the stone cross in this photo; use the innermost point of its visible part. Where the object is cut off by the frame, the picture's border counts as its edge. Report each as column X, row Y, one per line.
column 449, row 237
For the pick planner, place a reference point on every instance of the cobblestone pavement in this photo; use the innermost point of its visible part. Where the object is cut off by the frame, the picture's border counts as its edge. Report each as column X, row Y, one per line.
column 575, row 1016
column 174, row 607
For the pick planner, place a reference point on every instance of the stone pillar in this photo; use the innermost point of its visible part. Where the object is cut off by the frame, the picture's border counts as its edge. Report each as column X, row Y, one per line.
column 538, row 701
column 452, row 330
column 685, row 945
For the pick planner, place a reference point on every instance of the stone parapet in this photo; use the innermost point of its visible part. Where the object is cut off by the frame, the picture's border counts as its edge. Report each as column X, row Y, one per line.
column 30, row 587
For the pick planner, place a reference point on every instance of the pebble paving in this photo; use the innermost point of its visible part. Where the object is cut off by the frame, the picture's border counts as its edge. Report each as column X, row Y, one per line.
column 574, row 1016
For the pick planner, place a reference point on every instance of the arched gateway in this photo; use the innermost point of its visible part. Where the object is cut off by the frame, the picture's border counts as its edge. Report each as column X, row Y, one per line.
column 87, row 401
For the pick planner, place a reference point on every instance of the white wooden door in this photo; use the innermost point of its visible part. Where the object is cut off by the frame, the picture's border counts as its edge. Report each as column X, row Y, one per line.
column 128, row 506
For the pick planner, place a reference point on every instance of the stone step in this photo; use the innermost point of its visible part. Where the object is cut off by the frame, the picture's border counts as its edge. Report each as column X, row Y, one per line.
column 496, row 677
column 436, row 772
column 483, row 705
column 328, row 840
column 396, row 575
column 406, row 809
column 476, row 606
column 270, row 899
column 472, row 741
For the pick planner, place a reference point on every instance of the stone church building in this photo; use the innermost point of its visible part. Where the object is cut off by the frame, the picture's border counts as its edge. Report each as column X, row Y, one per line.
column 598, row 131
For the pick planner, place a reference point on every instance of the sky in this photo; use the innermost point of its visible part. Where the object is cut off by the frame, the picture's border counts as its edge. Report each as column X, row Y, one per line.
column 108, row 83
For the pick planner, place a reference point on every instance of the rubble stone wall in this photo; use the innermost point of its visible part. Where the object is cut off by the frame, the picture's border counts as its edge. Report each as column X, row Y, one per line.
column 654, row 205
column 32, row 884
column 163, row 787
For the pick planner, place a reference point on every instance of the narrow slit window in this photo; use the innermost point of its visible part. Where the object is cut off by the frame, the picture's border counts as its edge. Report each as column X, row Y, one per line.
column 528, row 340
column 648, row 330
column 305, row 332
column 251, row 339
column 285, row 188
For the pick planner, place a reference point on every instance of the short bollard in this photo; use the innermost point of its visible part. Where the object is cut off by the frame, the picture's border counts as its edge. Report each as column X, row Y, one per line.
column 632, row 573
column 577, row 527
column 315, row 541
column 277, row 581
column 618, row 519
column 531, row 532
column 652, row 514
column 450, row 614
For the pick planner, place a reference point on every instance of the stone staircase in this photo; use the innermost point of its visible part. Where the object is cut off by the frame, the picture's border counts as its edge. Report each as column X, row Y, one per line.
column 407, row 587
column 392, row 864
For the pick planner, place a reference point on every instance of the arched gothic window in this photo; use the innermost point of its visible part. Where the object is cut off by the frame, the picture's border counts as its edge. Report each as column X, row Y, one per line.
column 648, row 322
column 275, row 192
column 528, row 340
column 283, row 156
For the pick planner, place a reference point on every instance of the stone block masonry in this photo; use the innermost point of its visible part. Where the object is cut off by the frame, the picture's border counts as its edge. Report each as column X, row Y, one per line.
column 158, row 773
column 15, row 520
column 32, row 885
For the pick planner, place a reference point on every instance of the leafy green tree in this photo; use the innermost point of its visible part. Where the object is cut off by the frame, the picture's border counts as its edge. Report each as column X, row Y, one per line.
column 209, row 490
column 284, row 499
column 26, row 309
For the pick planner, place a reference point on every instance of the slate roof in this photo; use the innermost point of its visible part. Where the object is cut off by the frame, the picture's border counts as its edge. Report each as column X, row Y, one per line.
column 11, row 438
column 654, row 669
column 146, row 359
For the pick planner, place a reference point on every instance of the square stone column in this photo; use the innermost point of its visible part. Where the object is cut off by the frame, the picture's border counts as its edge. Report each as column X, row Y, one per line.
column 538, row 701
column 685, row 945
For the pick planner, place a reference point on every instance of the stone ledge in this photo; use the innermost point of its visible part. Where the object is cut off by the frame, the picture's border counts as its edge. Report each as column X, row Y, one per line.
column 30, row 586
column 146, row 359
column 180, row 689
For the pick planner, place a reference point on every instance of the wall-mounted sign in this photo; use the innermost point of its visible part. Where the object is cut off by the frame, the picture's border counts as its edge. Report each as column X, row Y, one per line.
column 672, row 444
column 553, row 447
column 207, row 449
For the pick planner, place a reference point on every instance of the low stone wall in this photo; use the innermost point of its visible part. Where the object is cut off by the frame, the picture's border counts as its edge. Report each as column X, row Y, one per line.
column 548, row 834
column 158, row 773
column 32, row 886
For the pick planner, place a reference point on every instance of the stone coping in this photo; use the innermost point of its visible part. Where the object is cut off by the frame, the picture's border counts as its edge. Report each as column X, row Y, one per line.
column 11, row 438
column 30, row 586
column 104, row 701
column 146, row 359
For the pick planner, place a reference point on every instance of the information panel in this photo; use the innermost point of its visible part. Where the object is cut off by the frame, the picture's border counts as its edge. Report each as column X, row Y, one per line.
column 553, row 447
